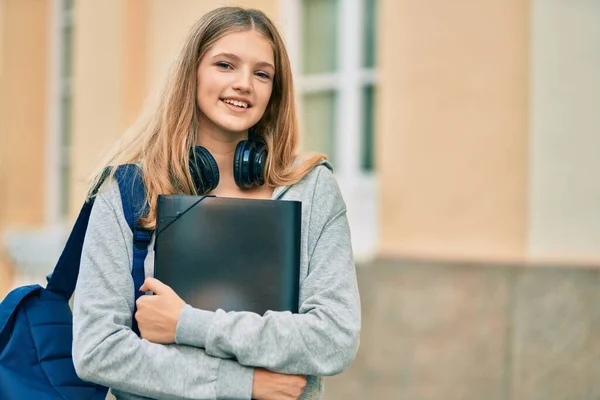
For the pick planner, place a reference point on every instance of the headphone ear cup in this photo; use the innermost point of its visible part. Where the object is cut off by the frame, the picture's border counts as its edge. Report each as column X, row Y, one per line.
column 242, row 164
column 237, row 162
column 260, row 164
column 204, row 170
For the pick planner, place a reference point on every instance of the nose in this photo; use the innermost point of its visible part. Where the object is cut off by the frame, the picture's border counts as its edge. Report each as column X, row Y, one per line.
column 243, row 81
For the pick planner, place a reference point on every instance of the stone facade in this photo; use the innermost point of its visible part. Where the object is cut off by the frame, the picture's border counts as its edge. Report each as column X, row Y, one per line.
column 472, row 332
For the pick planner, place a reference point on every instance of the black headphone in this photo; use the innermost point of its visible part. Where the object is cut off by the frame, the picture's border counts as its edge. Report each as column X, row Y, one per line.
column 249, row 161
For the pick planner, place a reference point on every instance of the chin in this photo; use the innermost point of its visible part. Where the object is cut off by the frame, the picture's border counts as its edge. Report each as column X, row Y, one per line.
column 236, row 131
column 234, row 127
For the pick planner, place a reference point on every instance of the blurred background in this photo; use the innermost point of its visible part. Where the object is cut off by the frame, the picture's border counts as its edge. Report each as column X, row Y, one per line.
column 465, row 136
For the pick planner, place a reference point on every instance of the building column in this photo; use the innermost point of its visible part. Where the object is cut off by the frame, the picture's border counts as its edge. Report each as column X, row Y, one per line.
column 564, row 222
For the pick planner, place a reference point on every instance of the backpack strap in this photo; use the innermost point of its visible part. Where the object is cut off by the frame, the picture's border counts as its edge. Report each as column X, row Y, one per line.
column 133, row 197
column 63, row 278
column 65, row 273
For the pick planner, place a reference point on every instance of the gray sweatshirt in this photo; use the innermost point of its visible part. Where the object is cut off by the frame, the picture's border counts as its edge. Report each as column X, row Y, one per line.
column 322, row 339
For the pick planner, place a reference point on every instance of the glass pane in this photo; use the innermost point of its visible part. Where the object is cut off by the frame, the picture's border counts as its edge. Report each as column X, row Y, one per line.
column 370, row 33
column 319, row 36
column 67, row 50
column 66, row 106
column 66, row 120
column 65, row 146
column 367, row 149
column 64, row 189
column 318, row 122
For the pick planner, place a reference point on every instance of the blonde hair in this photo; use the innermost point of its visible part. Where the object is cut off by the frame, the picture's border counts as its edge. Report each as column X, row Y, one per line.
column 162, row 143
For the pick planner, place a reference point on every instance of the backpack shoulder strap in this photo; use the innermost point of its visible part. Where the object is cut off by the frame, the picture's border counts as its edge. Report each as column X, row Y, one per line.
column 133, row 198
column 65, row 273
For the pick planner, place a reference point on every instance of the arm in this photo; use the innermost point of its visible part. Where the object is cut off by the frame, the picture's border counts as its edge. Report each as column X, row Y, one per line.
column 105, row 349
column 323, row 338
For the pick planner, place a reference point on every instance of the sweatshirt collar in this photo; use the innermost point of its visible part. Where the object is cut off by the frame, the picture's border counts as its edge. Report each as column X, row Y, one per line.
column 280, row 190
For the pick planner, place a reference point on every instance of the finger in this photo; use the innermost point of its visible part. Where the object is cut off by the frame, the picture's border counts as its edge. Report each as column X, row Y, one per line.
column 143, row 301
column 154, row 285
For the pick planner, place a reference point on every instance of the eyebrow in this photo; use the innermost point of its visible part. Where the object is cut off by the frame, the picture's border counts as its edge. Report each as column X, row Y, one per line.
column 237, row 58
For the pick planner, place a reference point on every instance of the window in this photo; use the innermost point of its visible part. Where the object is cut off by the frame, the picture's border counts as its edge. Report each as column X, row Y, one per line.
column 369, row 58
column 336, row 80
column 60, row 104
column 332, row 44
column 66, row 73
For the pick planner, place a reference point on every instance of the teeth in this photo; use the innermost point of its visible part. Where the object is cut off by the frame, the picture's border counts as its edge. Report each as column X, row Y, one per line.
column 236, row 103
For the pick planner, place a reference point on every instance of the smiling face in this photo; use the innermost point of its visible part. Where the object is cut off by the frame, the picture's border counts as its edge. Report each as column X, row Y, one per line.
column 235, row 81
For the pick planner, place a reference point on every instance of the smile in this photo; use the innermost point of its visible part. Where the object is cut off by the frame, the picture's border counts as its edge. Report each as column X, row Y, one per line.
column 236, row 103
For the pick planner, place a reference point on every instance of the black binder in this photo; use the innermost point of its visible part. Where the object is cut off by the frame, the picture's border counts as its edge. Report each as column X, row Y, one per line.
column 229, row 253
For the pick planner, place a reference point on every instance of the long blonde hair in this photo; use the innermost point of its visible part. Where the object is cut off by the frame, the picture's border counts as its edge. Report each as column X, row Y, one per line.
column 161, row 144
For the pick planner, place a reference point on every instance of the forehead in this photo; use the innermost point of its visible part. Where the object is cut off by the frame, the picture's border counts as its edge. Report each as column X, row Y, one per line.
column 248, row 45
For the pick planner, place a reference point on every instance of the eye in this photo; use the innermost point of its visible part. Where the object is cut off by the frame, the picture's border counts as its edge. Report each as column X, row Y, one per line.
column 223, row 65
column 263, row 75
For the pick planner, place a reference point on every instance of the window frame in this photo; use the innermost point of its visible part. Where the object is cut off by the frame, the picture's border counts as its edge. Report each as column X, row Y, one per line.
column 358, row 185
column 348, row 81
column 59, row 86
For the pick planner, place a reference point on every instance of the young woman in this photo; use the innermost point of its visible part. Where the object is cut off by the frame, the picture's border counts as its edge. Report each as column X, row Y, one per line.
column 232, row 82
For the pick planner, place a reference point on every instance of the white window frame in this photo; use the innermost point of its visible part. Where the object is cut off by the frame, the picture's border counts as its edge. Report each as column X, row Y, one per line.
column 56, row 154
column 357, row 185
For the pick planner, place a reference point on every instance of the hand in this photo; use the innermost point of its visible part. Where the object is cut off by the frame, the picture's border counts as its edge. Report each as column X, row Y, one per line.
column 269, row 385
column 157, row 314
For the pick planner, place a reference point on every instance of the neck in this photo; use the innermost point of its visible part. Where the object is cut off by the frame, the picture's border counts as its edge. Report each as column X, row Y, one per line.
column 221, row 145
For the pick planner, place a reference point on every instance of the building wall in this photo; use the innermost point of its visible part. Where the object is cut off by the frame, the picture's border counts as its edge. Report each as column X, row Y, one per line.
column 564, row 221
column 453, row 129
column 98, row 87
column 485, row 152
column 457, row 331
column 23, row 86
column 485, row 126
column 23, row 90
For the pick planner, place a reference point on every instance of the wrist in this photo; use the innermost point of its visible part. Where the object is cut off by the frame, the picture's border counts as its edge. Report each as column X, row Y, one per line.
column 176, row 316
column 257, row 383
column 192, row 326
column 234, row 381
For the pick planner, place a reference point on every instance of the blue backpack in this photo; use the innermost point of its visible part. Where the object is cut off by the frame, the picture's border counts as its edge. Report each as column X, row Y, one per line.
column 36, row 323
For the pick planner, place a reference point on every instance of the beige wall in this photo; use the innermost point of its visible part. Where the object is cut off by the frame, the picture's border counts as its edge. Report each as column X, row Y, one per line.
column 452, row 123
column 98, row 80
column 134, row 58
column 22, row 111
column 452, row 126
column 22, row 120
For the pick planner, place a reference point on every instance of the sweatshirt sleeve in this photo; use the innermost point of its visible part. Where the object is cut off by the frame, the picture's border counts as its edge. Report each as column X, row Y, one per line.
column 105, row 349
column 323, row 338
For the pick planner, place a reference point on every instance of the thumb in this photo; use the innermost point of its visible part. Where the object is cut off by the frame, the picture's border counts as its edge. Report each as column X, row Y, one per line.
column 154, row 285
